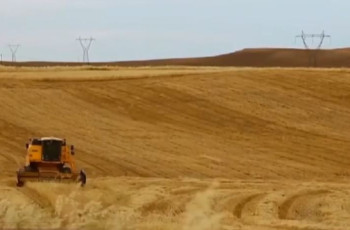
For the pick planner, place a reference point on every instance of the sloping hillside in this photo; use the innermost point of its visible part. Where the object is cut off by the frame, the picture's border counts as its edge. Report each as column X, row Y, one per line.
column 262, row 58
column 247, row 58
column 152, row 140
column 237, row 123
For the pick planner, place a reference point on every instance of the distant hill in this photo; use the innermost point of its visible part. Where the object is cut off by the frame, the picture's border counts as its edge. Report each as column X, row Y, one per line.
column 247, row 57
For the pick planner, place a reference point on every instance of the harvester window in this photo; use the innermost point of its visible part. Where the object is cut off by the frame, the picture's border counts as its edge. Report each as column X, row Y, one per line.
column 52, row 150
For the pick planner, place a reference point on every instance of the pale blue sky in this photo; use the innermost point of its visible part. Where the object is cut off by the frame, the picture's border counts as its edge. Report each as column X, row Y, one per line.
column 149, row 29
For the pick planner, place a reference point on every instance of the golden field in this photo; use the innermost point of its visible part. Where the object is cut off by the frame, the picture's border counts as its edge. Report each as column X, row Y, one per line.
column 203, row 148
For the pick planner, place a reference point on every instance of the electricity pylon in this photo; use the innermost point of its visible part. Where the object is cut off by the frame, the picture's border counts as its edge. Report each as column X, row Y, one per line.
column 14, row 48
column 85, row 45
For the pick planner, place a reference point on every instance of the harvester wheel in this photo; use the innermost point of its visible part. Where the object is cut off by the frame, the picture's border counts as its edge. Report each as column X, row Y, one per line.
column 66, row 170
column 29, row 168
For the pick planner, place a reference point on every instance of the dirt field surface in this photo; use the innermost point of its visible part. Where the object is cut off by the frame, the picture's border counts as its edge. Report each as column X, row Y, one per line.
column 181, row 148
column 258, row 57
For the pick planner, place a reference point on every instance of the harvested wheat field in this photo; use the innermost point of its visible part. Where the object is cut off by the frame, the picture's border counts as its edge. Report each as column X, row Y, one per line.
column 181, row 148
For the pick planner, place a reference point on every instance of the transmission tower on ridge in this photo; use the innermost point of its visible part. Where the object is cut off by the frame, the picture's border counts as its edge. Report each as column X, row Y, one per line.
column 85, row 45
column 304, row 37
column 14, row 49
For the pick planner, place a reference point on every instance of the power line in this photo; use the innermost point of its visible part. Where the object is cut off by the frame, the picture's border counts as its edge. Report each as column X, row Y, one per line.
column 304, row 37
column 14, row 48
column 85, row 45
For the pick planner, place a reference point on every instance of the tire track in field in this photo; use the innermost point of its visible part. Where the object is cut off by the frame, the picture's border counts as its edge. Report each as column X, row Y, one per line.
column 242, row 204
column 286, row 206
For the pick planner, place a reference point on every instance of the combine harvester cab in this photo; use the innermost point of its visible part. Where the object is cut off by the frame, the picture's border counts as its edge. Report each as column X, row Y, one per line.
column 49, row 159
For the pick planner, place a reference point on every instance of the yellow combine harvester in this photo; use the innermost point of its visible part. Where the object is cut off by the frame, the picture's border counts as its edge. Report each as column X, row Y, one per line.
column 49, row 158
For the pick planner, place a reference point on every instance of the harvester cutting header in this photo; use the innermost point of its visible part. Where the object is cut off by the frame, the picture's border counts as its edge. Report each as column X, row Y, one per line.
column 49, row 158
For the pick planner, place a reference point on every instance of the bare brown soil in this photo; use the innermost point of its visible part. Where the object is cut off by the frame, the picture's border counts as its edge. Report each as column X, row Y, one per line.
column 335, row 58
column 181, row 148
